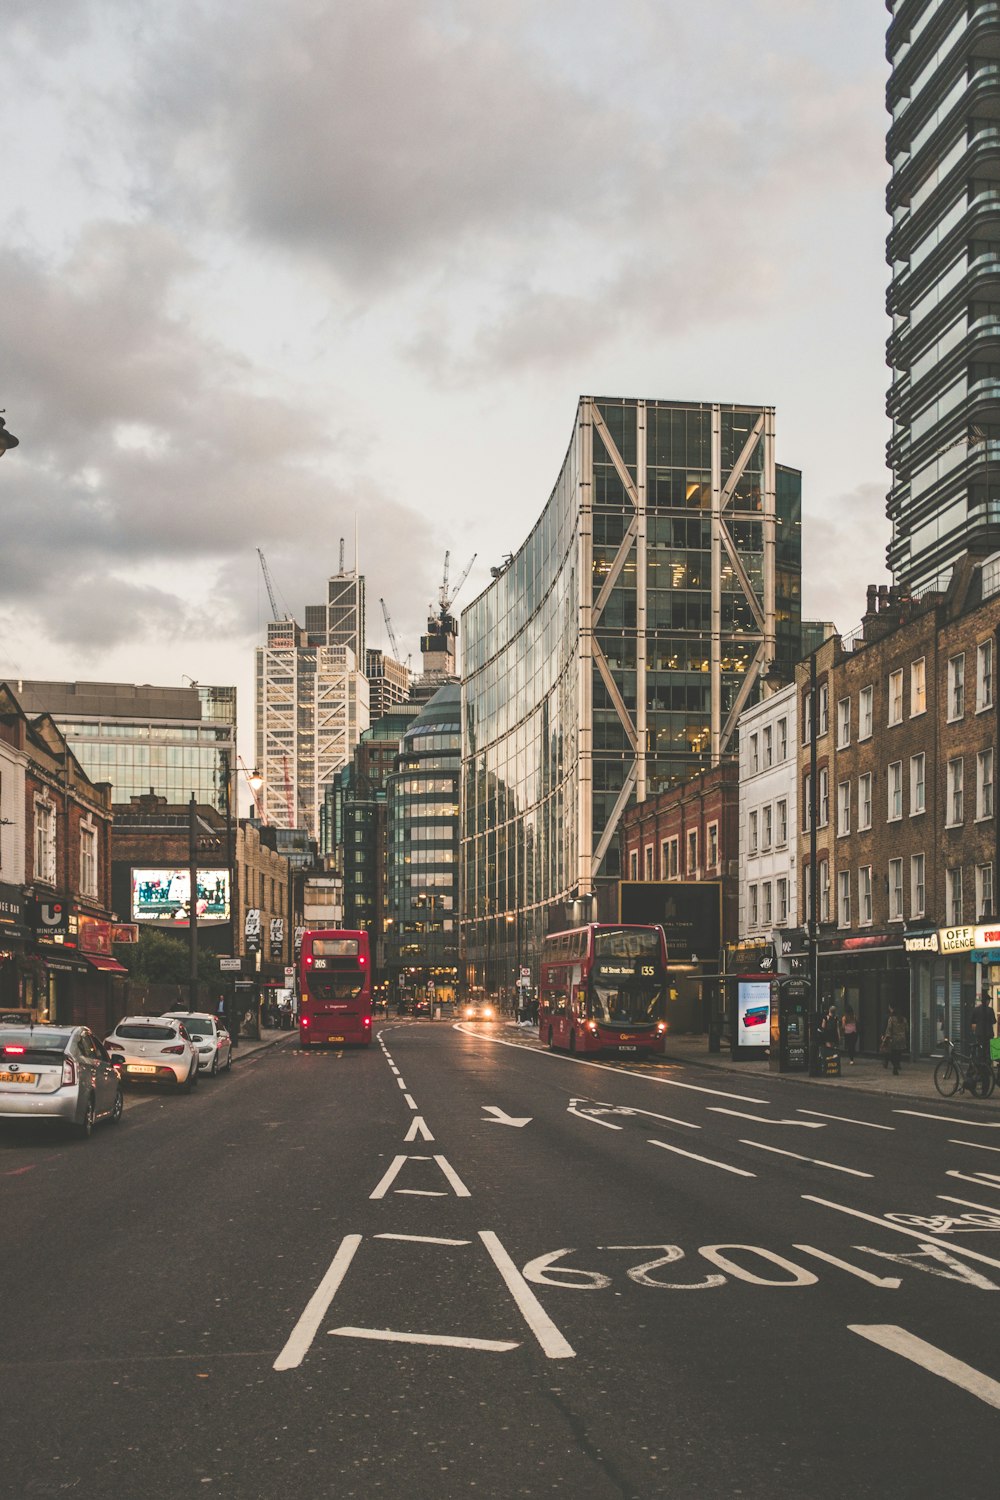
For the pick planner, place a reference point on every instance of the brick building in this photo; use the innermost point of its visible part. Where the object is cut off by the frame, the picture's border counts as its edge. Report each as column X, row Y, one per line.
column 905, row 802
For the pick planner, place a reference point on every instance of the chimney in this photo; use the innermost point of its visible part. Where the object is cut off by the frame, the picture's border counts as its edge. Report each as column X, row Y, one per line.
column 872, row 596
column 883, row 597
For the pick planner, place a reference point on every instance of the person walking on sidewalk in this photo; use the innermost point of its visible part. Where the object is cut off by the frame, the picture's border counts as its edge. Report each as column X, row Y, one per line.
column 983, row 1026
column 849, row 1031
column 895, row 1039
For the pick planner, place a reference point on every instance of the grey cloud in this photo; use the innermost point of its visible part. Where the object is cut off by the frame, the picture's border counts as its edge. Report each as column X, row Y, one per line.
column 843, row 542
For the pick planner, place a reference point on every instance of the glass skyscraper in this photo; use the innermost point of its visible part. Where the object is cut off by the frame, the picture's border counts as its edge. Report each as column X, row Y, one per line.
column 615, row 651
column 944, row 295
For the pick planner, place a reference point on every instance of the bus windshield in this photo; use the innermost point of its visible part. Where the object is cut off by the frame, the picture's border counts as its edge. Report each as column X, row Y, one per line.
column 630, row 942
column 624, row 1003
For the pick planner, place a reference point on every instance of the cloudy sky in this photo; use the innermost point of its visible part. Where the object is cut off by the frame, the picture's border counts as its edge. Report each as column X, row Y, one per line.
column 264, row 274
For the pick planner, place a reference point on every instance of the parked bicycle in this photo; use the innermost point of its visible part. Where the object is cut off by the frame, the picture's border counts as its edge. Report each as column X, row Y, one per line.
column 961, row 1072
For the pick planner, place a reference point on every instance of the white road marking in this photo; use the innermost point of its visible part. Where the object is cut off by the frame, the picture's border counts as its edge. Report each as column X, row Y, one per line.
column 920, row 1114
column 892, row 1283
column 391, row 1174
column 421, row 1239
column 418, row 1131
column 975, row 1145
column 461, row 1191
column 919, row 1352
column 844, row 1119
column 401, row 1084
column 500, row 1118
column 410, row 1100
column 914, row 1234
column 553, row 1345
column 723, row 1166
column 394, row 1169
column 444, row 1340
column 594, row 1119
column 851, row 1171
column 423, row 1192
column 305, row 1330
column 981, row 1179
column 986, row 1208
column 717, row 1109
column 622, row 1109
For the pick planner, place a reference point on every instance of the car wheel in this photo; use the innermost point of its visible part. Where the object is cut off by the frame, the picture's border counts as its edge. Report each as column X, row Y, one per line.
column 229, row 1061
column 118, row 1108
column 85, row 1128
column 189, row 1082
column 215, row 1066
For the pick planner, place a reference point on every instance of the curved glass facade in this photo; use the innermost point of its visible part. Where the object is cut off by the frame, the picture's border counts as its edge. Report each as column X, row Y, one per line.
column 613, row 653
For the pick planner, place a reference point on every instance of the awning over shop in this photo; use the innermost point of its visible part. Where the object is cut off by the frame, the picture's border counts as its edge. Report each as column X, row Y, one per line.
column 105, row 965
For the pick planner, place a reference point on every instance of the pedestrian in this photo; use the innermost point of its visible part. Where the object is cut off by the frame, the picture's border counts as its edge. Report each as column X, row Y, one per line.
column 894, row 1040
column 830, row 1029
column 849, row 1031
column 983, row 1025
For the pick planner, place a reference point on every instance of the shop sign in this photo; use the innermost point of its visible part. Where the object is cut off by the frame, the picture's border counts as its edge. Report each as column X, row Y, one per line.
column 987, row 937
column 956, row 939
column 921, row 942
column 12, row 912
column 124, row 932
column 53, row 922
column 251, row 930
column 95, row 935
column 277, row 937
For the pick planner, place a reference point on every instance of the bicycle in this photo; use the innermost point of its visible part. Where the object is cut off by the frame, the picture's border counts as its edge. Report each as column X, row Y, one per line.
column 959, row 1072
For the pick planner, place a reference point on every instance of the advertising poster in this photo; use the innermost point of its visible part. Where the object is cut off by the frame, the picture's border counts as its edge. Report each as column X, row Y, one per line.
column 753, row 1012
column 162, row 895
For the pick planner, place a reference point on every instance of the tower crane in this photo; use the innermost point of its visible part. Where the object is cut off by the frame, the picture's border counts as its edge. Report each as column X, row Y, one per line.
column 270, row 588
column 446, row 599
column 392, row 634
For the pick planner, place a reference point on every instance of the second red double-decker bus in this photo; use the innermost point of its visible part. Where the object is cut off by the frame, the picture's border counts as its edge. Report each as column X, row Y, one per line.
column 603, row 989
column 335, row 988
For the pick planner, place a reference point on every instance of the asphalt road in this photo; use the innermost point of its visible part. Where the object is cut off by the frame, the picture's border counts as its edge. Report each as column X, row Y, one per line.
column 453, row 1266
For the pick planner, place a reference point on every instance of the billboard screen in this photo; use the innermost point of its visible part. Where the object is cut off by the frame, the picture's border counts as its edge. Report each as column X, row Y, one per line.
column 753, row 1012
column 161, row 896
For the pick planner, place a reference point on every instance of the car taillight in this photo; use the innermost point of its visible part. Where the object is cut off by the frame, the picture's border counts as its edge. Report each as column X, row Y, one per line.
column 175, row 1050
column 367, row 1021
column 303, row 1020
column 69, row 1070
column 13, row 1051
column 661, row 1027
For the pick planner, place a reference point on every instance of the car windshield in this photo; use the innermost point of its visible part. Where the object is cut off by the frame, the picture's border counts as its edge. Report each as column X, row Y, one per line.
column 626, row 1004
column 196, row 1025
column 39, row 1039
column 133, row 1031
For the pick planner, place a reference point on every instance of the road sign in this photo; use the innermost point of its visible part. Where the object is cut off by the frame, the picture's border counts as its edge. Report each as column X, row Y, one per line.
column 231, row 965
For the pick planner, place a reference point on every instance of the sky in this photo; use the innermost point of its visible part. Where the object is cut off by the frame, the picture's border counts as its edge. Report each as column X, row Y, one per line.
column 266, row 278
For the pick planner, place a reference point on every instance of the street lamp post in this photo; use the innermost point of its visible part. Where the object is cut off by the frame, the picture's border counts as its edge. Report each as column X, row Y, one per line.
column 193, row 901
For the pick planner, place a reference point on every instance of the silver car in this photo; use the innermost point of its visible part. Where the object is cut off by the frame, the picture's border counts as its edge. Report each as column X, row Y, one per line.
column 154, row 1049
column 57, row 1073
column 215, row 1048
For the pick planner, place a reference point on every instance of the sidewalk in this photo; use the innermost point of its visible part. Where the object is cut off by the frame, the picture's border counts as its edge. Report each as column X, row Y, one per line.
column 269, row 1037
column 866, row 1076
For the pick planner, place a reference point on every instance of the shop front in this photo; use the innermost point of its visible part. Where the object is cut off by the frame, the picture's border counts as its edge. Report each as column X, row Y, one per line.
column 869, row 972
column 950, row 967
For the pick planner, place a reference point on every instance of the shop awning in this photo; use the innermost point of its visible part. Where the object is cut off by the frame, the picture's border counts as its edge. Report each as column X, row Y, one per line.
column 105, row 965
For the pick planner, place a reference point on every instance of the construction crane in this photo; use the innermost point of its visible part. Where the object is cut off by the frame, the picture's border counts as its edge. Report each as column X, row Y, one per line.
column 340, row 569
column 446, row 599
column 392, row 634
column 270, row 588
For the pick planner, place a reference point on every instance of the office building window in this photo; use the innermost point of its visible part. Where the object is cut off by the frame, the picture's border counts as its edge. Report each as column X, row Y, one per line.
column 649, row 861
column 752, row 833
column 984, row 783
column 918, row 784
column 894, row 783
column 917, row 887
column 895, row 890
column 633, row 864
column 712, row 838
column 781, row 901
column 956, row 687
column 896, row 697
column 807, row 803
column 767, row 745
column 754, row 755
column 844, row 807
column 692, row 852
column 664, row 859
column 918, row 687
column 984, row 675
column 984, row 892
column 782, row 740
column 766, row 826
column 954, row 812
column 843, row 723
column 866, row 713
column 824, row 709
column 844, row 898
column 865, row 896
column 766, row 908
column 865, row 800
column 752, row 906
column 953, row 895
column 88, row 860
column 45, row 842
column 781, row 822
column 807, row 706
column 673, row 857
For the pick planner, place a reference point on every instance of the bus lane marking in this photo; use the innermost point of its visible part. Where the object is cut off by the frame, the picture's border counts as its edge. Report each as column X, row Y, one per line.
column 553, row 1345
column 442, row 1340
column 974, row 1145
column 300, row 1339
column 920, row 1114
column 992, row 1212
column 899, row 1341
column 594, row 1119
column 844, row 1119
column 597, row 1109
column 981, row 1179
column 708, row 1160
column 891, row 1283
column 717, row 1109
column 914, row 1234
column 813, row 1160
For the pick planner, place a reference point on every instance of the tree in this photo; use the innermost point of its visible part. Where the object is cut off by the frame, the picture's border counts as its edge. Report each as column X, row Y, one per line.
column 161, row 958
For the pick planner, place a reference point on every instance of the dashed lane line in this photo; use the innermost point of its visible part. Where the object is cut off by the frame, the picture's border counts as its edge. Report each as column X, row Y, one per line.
column 975, row 1145
column 813, row 1160
column 708, row 1160
column 919, row 1352
column 844, row 1119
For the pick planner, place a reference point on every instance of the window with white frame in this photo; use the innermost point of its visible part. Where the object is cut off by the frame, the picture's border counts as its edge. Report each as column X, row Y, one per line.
column 918, row 784
column 633, row 864
column 781, row 822
column 956, row 687
column 752, row 906
column 918, row 687
column 918, row 889
column 781, row 901
column 843, row 807
column 807, row 802
column 895, row 890
column 865, row 896
column 896, row 696
column 664, row 859
column 807, row 707
column 45, row 842
column 953, row 895
column 824, row 890
column 767, row 745
column 766, row 908
column 843, row 898
column 692, row 851
column 894, row 785
column 807, row 891
column 752, row 832
column 88, row 859
column 984, row 783
column 782, row 748
column 823, row 697
column 954, row 812
column 766, row 825
column 865, row 800
column 866, row 713
column 823, row 809
column 843, row 723
column 648, row 852
column 754, row 755
column 712, row 836
column 984, row 675
column 673, row 857
column 984, row 892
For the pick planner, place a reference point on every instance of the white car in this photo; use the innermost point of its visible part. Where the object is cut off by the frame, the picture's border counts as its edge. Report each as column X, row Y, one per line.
column 154, row 1049
column 215, row 1047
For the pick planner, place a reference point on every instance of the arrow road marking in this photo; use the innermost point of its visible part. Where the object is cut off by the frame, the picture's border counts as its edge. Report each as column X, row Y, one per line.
column 919, row 1352
column 717, row 1109
column 396, row 1166
column 500, row 1118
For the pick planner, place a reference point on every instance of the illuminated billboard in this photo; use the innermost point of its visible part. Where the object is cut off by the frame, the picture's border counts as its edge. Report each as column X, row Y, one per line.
column 753, row 1012
column 161, row 896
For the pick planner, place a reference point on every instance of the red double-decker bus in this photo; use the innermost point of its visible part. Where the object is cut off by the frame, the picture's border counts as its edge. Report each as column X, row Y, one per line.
column 603, row 989
column 335, row 988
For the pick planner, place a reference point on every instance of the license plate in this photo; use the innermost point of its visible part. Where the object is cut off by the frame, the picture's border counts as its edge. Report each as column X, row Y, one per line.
column 627, row 1049
column 141, row 1068
column 335, row 1039
column 18, row 1077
